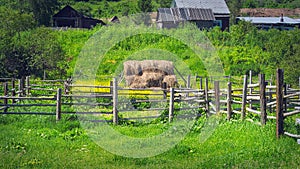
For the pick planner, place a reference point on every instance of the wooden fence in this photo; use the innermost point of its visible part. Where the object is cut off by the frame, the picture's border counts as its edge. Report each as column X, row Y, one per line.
column 261, row 98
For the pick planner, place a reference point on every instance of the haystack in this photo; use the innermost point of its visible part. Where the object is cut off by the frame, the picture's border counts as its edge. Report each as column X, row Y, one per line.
column 149, row 73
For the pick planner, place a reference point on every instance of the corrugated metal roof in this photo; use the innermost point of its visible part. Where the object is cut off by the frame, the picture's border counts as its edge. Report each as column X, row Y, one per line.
column 270, row 20
column 185, row 14
column 217, row 6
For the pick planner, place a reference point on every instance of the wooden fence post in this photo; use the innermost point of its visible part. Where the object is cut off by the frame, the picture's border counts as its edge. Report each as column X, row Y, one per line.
column 285, row 86
column 201, row 85
column 20, row 88
column 270, row 97
column 13, row 89
column 5, row 86
column 229, row 97
column 206, row 98
column 217, row 95
column 263, row 103
column 115, row 101
column 27, row 85
column 299, row 87
column 58, row 104
column 67, row 84
column 244, row 97
column 279, row 103
column 111, row 84
column 171, row 105
column 250, row 90
column 188, row 81
column 164, row 86
column 23, row 86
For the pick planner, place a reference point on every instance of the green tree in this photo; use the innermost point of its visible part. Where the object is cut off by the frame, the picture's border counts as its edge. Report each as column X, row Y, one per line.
column 43, row 10
column 145, row 5
column 12, row 23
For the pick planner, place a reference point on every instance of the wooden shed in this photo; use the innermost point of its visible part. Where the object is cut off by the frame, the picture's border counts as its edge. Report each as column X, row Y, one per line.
column 172, row 17
column 69, row 17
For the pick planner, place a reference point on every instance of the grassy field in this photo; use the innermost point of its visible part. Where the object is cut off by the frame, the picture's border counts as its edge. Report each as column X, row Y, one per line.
column 41, row 142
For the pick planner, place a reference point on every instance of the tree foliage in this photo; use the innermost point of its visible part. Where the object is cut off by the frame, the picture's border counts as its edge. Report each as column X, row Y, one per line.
column 246, row 48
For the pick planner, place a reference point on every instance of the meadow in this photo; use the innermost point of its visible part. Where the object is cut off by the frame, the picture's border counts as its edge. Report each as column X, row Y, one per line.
column 41, row 142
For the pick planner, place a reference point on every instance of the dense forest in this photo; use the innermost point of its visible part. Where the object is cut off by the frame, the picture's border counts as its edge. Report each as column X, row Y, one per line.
column 29, row 47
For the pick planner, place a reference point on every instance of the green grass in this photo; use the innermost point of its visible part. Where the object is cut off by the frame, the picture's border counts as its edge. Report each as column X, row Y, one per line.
column 41, row 142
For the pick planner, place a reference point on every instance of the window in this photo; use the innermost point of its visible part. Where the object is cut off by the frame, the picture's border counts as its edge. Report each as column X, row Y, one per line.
column 218, row 23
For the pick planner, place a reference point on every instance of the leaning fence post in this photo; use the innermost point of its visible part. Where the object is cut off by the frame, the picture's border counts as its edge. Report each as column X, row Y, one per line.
column 171, row 105
column 206, row 97
column 229, row 97
column 279, row 103
column 115, row 101
column 244, row 98
column 27, row 85
column 263, row 104
column 58, row 104
column 5, row 86
column 217, row 96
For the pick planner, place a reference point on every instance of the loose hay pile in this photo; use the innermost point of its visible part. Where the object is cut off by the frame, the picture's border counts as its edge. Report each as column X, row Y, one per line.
column 149, row 73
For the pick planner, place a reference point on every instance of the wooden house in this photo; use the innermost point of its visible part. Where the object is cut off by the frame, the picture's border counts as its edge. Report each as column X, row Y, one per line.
column 172, row 17
column 219, row 8
column 69, row 17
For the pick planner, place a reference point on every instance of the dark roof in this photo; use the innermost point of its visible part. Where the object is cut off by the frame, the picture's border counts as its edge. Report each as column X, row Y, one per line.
column 68, row 11
column 217, row 6
column 185, row 14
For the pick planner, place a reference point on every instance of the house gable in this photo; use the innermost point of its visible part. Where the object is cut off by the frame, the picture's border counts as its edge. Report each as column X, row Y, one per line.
column 67, row 11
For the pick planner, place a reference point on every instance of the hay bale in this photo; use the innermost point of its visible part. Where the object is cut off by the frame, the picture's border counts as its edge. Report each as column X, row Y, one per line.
column 149, row 73
column 170, row 80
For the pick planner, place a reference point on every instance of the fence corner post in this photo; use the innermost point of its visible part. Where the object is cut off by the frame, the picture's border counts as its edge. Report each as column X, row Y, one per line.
column 279, row 103
column 115, row 101
column 58, row 104
column 263, row 102
column 171, row 105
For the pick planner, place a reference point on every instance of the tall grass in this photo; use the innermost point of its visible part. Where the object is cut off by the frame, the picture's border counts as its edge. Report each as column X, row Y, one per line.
column 41, row 142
